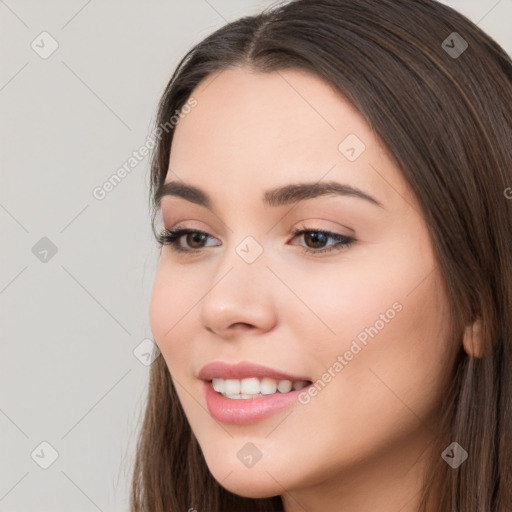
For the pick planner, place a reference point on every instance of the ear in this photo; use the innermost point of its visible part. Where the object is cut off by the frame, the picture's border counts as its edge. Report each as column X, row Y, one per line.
column 472, row 340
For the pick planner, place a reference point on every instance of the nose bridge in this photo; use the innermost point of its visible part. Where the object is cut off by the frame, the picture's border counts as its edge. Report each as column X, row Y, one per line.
column 241, row 272
column 239, row 291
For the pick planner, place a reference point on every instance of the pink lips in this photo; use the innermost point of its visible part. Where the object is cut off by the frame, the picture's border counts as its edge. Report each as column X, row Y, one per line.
column 249, row 410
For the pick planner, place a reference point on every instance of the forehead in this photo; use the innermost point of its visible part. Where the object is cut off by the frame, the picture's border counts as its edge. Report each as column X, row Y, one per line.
column 253, row 130
column 275, row 109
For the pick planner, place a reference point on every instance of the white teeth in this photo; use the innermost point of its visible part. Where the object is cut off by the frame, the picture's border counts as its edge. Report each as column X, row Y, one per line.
column 218, row 385
column 252, row 387
column 268, row 386
column 284, row 386
column 231, row 386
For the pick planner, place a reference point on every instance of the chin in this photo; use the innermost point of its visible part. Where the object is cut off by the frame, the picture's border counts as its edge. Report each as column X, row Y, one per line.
column 246, row 482
column 249, row 487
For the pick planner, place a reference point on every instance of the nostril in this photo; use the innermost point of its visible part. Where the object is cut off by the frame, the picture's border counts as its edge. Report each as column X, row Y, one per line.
column 242, row 325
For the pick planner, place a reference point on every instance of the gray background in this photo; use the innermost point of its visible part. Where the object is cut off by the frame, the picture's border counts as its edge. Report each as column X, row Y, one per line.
column 73, row 371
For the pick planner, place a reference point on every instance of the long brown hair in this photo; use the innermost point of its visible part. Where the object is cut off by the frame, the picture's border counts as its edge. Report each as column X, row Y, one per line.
column 446, row 119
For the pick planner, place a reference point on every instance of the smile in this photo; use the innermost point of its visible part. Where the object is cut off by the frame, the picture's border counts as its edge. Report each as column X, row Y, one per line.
column 245, row 393
column 253, row 387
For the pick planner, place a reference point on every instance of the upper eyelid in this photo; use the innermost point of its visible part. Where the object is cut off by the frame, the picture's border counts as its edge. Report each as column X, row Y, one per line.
column 299, row 229
column 180, row 225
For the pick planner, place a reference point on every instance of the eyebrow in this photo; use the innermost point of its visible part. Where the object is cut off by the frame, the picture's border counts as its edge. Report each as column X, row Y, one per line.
column 280, row 196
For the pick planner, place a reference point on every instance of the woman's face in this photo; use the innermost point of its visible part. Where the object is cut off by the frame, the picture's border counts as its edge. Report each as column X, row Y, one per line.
column 364, row 322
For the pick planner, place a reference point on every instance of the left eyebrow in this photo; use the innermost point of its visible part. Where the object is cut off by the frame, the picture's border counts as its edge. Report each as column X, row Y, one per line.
column 280, row 196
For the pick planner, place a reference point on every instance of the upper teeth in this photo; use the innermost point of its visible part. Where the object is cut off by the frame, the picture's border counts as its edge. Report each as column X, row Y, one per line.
column 252, row 386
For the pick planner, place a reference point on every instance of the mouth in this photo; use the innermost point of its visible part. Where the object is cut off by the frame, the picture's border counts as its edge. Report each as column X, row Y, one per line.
column 253, row 387
column 246, row 393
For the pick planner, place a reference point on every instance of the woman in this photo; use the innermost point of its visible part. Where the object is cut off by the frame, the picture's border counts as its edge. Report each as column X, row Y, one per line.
column 333, row 298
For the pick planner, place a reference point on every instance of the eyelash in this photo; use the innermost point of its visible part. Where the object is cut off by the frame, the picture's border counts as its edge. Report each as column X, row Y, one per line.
column 173, row 236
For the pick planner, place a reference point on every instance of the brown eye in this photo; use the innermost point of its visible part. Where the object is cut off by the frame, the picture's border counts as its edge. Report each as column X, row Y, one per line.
column 195, row 239
column 316, row 240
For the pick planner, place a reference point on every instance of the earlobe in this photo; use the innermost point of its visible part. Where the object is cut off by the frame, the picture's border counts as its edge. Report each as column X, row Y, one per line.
column 472, row 340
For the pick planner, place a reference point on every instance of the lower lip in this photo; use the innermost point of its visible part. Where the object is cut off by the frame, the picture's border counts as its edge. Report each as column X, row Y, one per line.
column 244, row 411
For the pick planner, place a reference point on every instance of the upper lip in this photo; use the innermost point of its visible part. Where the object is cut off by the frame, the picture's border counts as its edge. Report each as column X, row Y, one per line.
column 243, row 370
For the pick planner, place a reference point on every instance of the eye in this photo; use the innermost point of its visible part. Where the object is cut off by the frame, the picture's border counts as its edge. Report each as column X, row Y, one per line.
column 318, row 238
column 194, row 238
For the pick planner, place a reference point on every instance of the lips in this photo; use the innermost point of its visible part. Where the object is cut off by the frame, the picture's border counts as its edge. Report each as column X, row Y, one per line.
column 244, row 370
column 270, row 391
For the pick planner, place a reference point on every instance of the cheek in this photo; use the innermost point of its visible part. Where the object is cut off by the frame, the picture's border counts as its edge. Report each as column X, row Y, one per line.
column 389, row 327
column 170, row 311
column 370, row 289
column 389, row 387
column 340, row 304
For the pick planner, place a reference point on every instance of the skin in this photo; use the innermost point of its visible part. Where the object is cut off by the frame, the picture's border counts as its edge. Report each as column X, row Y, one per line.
column 360, row 444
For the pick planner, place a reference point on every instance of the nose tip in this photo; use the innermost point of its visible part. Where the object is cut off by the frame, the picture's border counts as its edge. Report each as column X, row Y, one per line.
column 235, row 304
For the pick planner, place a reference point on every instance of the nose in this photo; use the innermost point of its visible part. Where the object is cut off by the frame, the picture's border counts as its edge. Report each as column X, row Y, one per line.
column 239, row 301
